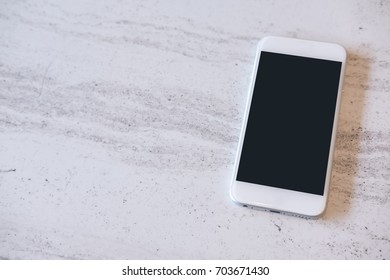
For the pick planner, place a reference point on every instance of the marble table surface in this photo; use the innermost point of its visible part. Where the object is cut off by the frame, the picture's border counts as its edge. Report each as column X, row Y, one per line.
column 119, row 123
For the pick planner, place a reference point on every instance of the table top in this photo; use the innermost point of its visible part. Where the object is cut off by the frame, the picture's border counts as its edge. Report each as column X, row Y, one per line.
column 119, row 124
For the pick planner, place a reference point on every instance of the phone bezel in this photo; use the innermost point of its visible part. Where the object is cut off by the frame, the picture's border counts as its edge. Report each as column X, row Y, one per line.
column 278, row 199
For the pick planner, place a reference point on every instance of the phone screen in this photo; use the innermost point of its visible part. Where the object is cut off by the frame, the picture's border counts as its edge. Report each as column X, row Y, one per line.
column 287, row 139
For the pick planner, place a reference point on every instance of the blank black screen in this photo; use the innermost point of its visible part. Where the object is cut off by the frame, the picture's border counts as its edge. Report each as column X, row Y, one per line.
column 288, row 135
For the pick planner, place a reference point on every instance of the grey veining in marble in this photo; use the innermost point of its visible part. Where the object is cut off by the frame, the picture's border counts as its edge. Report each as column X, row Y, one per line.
column 119, row 122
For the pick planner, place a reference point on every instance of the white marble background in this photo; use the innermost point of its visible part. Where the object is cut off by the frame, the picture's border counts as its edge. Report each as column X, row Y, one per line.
column 119, row 122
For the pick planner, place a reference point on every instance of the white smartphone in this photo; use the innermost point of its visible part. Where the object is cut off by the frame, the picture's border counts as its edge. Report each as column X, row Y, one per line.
column 284, row 157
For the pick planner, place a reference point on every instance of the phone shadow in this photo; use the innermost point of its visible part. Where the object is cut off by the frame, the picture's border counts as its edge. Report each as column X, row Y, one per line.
column 348, row 140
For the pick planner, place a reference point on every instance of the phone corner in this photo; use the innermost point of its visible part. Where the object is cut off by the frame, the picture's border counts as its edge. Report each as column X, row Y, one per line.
column 267, row 38
column 264, row 39
column 232, row 192
column 317, row 216
column 318, row 213
column 234, row 195
column 342, row 51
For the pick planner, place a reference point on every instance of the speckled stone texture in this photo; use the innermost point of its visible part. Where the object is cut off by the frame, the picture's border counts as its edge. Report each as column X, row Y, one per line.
column 119, row 123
